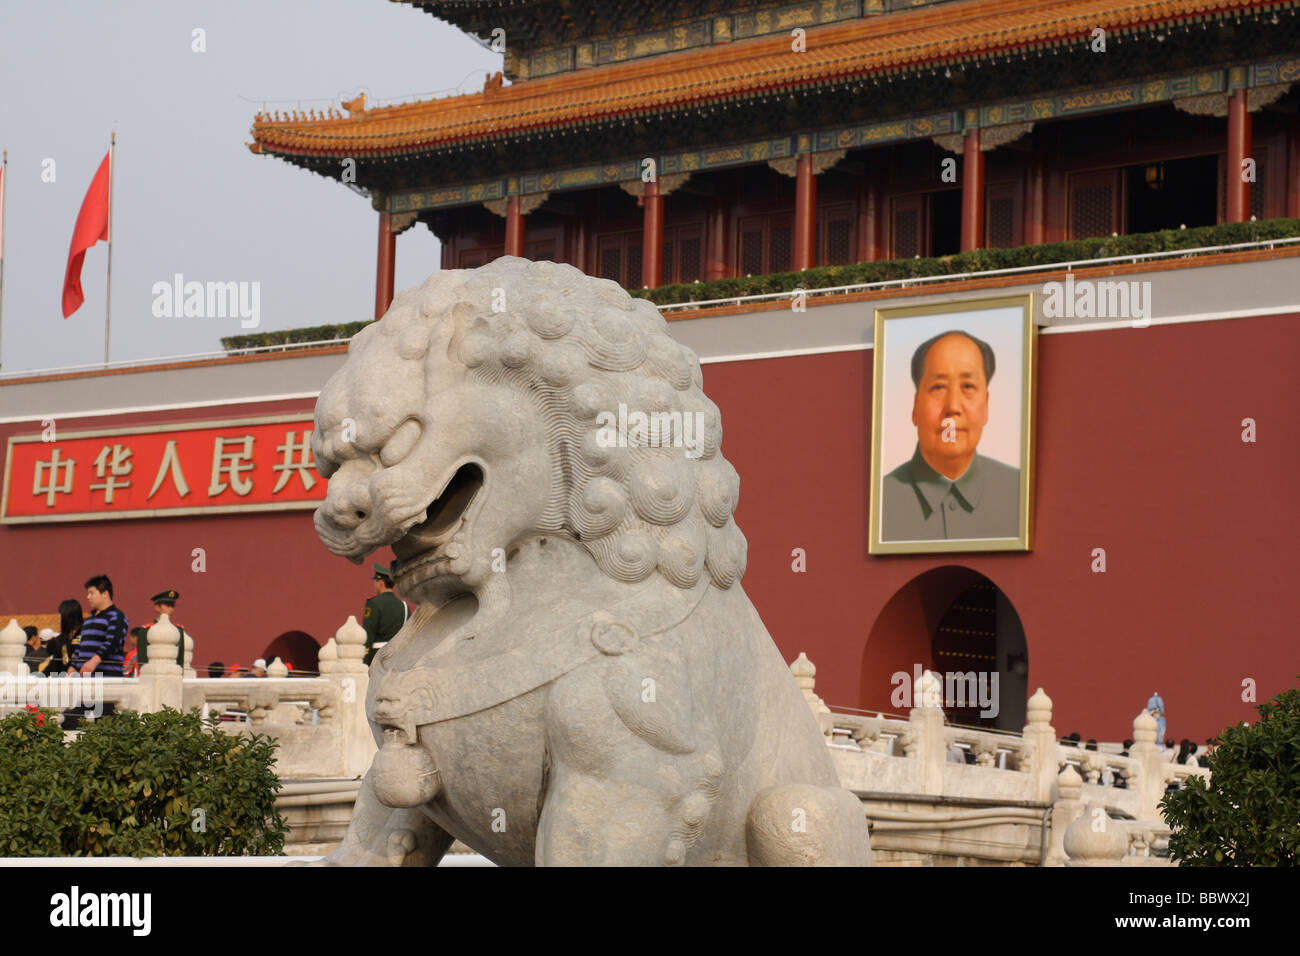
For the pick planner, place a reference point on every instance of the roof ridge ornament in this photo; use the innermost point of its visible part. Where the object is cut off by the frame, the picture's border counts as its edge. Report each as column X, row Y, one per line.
column 356, row 105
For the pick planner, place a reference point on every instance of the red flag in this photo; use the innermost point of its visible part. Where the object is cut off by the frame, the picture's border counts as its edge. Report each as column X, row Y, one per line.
column 92, row 226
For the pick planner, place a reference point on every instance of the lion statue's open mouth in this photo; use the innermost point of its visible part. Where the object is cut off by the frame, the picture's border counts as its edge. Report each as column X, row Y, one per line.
column 435, row 541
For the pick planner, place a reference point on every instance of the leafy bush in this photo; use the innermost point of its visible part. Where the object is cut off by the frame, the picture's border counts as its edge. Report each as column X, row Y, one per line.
column 1249, row 815
column 159, row 784
column 980, row 260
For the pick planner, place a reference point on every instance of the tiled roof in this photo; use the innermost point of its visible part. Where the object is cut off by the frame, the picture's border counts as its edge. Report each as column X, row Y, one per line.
column 950, row 33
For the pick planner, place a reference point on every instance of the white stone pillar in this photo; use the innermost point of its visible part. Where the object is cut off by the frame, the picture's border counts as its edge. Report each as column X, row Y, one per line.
column 161, row 673
column 13, row 640
column 1150, row 782
column 925, row 733
column 277, row 669
column 805, row 675
column 353, row 677
column 1065, row 811
column 1038, row 749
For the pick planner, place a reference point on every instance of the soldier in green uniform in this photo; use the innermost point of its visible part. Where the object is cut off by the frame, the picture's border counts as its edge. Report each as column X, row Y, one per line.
column 384, row 615
column 164, row 602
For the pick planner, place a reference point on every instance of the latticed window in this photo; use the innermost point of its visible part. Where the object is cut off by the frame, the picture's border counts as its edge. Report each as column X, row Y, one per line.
column 690, row 262
column 683, row 253
column 835, row 235
column 611, row 262
column 633, row 278
column 1002, row 216
column 1094, row 203
column 751, row 247
column 766, row 244
column 619, row 258
column 782, row 248
column 906, row 234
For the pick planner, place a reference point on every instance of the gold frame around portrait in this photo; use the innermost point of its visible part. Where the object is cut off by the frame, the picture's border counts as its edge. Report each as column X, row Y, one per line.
column 1028, row 398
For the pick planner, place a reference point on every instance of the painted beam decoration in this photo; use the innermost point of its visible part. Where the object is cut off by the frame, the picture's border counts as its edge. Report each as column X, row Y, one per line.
column 952, row 429
column 249, row 464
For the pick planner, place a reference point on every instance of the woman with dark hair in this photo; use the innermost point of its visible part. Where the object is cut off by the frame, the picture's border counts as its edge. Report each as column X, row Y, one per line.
column 63, row 648
column 1184, row 749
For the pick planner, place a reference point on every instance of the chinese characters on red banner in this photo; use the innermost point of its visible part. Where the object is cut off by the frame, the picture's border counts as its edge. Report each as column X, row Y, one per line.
column 205, row 467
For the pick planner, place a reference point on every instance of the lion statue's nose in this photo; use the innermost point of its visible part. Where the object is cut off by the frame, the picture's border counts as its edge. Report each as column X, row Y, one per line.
column 347, row 505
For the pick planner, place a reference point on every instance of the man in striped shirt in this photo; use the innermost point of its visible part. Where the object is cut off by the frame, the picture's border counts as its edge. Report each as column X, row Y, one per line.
column 103, row 636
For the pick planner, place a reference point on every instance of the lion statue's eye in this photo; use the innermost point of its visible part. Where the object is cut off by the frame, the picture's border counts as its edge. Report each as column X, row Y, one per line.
column 400, row 445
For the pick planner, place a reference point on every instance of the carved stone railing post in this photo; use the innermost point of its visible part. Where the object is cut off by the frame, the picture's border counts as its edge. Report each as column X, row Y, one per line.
column 327, row 658
column 1065, row 810
column 986, row 752
column 161, row 674
column 1039, row 748
column 277, row 669
column 805, row 675
column 925, row 733
column 868, row 736
column 1149, row 778
column 12, row 641
column 353, row 677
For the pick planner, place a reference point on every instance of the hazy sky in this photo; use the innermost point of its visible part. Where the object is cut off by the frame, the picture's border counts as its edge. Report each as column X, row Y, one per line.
column 188, row 195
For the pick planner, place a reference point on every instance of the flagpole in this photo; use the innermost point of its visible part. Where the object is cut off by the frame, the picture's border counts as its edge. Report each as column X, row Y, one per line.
column 108, row 288
column 4, row 169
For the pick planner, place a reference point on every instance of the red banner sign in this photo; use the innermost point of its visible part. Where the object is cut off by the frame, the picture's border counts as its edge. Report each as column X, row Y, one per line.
column 252, row 464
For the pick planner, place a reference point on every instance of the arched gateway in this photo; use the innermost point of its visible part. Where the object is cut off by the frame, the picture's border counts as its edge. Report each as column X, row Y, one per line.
column 957, row 622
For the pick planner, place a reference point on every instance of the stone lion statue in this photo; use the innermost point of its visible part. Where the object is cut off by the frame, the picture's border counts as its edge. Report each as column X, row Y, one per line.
column 584, row 680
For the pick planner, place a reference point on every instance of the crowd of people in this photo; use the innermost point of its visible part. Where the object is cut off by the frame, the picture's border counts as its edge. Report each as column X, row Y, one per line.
column 1186, row 753
column 102, row 643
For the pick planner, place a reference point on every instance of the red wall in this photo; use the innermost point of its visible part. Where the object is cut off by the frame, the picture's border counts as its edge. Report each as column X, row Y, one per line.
column 1139, row 452
column 255, row 588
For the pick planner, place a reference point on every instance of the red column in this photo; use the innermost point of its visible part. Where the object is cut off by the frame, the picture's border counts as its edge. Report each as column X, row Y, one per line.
column 1238, row 193
column 805, row 213
column 1034, row 226
column 870, row 210
column 652, row 237
column 384, row 272
column 1293, row 171
column 972, row 192
column 716, row 228
column 514, row 228
column 578, row 241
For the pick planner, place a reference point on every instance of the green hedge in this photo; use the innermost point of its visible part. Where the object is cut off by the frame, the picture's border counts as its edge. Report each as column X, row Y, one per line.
column 312, row 333
column 883, row 271
column 979, row 260
column 158, row 784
